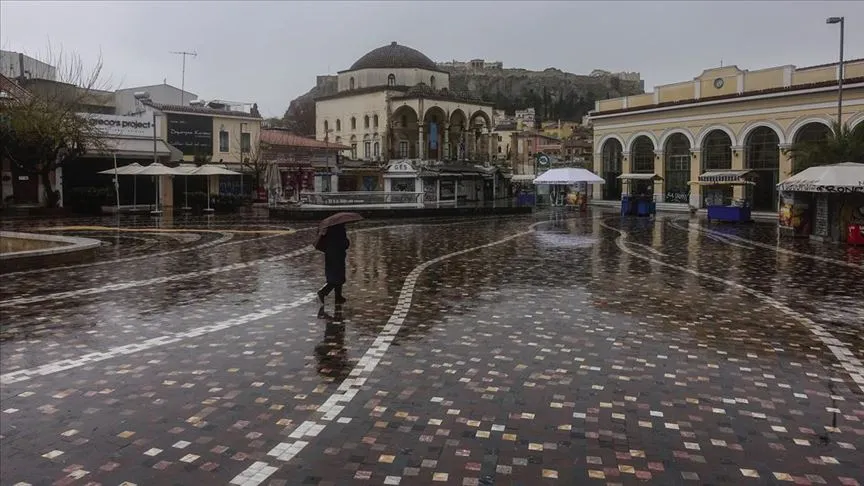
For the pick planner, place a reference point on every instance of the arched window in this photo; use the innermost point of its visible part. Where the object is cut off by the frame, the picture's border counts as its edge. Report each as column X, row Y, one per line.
column 353, row 123
column 366, row 121
column 338, row 125
column 391, row 80
column 375, row 121
column 351, row 83
column 612, row 163
column 376, row 150
column 677, row 163
column 762, row 154
column 326, row 126
column 432, row 82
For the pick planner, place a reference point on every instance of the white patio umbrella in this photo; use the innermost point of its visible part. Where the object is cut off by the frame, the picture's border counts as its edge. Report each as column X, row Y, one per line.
column 157, row 169
column 129, row 169
column 568, row 175
column 211, row 170
column 846, row 177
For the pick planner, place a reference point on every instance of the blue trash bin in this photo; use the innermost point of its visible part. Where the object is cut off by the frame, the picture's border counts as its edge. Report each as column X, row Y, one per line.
column 626, row 205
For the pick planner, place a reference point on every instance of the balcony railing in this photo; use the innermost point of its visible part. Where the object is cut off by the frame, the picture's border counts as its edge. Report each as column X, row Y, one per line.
column 363, row 198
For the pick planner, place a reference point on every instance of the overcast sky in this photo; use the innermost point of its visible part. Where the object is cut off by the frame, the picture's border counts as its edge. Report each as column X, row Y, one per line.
column 270, row 52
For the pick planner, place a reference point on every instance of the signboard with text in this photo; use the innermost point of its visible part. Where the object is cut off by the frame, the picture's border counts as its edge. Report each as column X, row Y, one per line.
column 191, row 134
column 122, row 126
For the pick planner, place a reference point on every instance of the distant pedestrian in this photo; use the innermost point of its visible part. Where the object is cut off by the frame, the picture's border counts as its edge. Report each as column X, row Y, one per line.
column 334, row 243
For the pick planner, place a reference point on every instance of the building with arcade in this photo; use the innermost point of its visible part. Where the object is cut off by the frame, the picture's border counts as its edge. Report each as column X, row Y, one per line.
column 725, row 119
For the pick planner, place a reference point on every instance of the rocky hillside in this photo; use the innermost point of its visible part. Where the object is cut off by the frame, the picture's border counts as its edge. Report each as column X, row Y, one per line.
column 553, row 93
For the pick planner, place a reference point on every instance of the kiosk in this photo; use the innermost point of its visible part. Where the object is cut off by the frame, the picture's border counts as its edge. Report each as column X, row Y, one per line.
column 638, row 197
column 721, row 206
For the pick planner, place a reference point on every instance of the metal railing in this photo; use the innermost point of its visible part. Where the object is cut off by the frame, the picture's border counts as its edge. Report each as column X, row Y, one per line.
column 361, row 198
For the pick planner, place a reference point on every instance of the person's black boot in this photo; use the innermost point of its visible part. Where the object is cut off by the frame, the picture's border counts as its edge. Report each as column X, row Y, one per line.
column 339, row 298
column 325, row 290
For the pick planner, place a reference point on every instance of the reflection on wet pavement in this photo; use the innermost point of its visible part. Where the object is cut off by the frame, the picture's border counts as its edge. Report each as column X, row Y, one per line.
column 589, row 350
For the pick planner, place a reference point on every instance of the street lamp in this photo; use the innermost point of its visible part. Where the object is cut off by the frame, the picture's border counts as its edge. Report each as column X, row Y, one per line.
column 241, row 157
column 841, row 21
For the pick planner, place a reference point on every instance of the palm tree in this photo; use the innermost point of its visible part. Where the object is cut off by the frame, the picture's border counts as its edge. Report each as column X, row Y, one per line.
column 842, row 145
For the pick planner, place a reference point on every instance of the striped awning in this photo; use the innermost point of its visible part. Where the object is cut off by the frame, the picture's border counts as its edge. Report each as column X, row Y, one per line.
column 725, row 177
column 640, row 177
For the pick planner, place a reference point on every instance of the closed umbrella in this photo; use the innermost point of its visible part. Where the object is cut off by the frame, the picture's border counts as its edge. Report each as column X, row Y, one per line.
column 211, row 170
column 273, row 181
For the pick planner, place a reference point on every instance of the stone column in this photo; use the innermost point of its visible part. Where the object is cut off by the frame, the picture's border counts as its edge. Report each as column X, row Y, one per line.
column 738, row 192
column 489, row 138
column 785, row 162
column 597, row 189
column 421, row 146
column 695, row 170
column 446, row 148
column 660, row 169
column 625, row 169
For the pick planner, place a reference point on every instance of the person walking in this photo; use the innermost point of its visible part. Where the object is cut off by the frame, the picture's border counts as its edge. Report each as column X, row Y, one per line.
column 334, row 244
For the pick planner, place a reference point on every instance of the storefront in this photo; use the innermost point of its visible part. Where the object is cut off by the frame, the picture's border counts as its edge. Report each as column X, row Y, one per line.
column 127, row 139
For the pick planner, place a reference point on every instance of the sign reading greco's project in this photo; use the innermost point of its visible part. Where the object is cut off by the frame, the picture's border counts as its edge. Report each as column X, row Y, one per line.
column 121, row 126
column 191, row 134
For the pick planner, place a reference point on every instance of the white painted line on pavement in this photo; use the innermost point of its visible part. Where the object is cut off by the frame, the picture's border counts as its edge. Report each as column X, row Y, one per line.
column 853, row 366
column 775, row 248
column 362, row 371
column 95, row 357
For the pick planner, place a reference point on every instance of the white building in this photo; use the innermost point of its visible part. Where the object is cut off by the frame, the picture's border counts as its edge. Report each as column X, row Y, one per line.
column 162, row 94
column 396, row 103
column 15, row 65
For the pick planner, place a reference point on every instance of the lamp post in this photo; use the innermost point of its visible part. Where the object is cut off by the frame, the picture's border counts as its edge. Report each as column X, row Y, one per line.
column 241, row 157
column 841, row 21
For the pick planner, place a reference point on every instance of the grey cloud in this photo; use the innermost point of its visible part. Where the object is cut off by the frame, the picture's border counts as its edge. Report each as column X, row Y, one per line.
column 270, row 52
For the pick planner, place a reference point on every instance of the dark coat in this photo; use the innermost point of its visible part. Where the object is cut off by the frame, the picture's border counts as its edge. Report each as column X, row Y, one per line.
column 336, row 244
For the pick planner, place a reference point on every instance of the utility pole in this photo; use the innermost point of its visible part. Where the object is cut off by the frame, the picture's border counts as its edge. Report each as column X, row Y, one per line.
column 183, row 74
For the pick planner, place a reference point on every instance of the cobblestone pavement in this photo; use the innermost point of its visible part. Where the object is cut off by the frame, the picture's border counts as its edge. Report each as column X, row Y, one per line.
column 554, row 349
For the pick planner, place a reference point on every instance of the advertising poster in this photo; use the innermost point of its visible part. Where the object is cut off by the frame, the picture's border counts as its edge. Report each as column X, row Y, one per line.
column 795, row 214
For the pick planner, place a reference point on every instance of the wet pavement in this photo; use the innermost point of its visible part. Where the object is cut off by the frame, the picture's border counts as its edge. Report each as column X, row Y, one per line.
column 547, row 349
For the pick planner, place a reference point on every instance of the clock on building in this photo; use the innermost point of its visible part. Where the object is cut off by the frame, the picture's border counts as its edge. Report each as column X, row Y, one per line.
column 718, row 83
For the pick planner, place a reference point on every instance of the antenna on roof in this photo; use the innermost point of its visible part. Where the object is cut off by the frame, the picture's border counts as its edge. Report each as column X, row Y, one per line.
column 183, row 75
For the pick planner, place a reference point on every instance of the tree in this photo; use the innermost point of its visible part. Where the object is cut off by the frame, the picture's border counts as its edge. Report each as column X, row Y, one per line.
column 842, row 145
column 42, row 132
column 253, row 160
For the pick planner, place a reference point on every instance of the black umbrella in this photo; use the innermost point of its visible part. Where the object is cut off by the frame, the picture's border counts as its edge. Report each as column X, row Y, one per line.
column 338, row 218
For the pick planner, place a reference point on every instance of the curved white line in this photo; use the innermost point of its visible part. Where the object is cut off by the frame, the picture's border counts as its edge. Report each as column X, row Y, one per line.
column 184, row 276
column 224, row 238
column 776, row 248
column 362, row 371
column 853, row 366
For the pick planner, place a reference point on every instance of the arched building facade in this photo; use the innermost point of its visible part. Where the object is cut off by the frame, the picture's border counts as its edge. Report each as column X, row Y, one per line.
column 724, row 119
column 395, row 103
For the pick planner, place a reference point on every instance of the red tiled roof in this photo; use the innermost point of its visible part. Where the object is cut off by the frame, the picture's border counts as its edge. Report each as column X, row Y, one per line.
column 746, row 94
column 287, row 139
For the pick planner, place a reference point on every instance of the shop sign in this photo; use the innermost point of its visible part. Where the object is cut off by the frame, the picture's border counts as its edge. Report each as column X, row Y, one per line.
column 121, row 126
column 192, row 134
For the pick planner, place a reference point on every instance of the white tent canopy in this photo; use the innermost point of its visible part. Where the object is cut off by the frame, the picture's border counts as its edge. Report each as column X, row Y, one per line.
column 568, row 175
column 210, row 169
column 130, row 169
column 847, row 177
